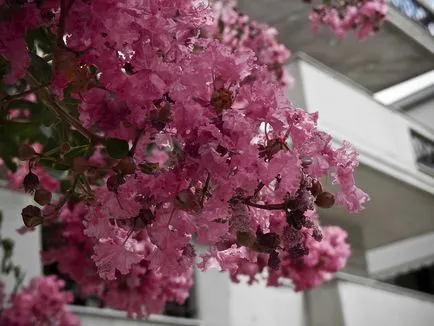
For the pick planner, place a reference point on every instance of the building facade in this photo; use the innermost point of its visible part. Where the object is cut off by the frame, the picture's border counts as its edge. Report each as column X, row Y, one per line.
column 363, row 94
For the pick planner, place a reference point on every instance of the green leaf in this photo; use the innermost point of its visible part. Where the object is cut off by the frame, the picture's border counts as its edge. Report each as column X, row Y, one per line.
column 11, row 165
column 40, row 38
column 65, row 185
column 61, row 167
column 40, row 69
column 76, row 151
column 148, row 167
column 150, row 147
column 8, row 149
column 8, row 246
column 23, row 104
column 77, row 139
column 117, row 148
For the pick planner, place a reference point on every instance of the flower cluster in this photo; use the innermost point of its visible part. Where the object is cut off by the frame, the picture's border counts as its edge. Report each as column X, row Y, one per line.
column 42, row 302
column 136, row 287
column 165, row 135
column 235, row 29
column 363, row 16
column 307, row 257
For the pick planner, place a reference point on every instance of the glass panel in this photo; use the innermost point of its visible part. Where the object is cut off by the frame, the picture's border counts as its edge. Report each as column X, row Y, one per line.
column 417, row 12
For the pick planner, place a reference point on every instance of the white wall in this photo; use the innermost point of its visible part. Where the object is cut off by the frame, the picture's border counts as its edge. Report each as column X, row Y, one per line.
column 27, row 246
column 223, row 303
column 347, row 112
column 258, row 305
column 423, row 113
column 364, row 305
column 95, row 317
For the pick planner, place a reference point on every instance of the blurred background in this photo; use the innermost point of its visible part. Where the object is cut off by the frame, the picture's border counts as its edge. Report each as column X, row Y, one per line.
column 379, row 95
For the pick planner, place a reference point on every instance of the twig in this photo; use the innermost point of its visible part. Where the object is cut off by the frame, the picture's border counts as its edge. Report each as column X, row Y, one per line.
column 136, row 141
column 205, row 189
column 270, row 207
column 9, row 98
column 62, row 113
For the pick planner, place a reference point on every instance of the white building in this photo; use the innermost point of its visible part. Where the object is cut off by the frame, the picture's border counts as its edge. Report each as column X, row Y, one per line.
column 393, row 239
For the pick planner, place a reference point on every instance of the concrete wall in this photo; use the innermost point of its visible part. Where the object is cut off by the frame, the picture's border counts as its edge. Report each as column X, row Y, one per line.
column 346, row 111
column 222, row 303
column 95, row 317
column 27, row 246
column 423, row 112
column 364, row 305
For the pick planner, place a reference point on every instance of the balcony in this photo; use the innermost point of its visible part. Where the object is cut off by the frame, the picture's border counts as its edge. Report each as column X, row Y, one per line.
column 404, row 40
column 90, row 316
column 354, row 301
column 346, row 300
column 401, row 190
column 420, row 11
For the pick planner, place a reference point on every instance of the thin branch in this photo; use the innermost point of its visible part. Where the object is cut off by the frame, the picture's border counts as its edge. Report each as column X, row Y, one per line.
column 270, row 207
column 62, row 113
column 136, row 141
column 205, row 189
column 18, row 122
column 64, row 8
column 258, row 189
column 9, row 98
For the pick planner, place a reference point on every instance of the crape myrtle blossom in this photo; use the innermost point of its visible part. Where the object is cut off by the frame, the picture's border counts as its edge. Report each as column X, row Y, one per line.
column 235, row 29
column 363, row 16
column 119, row 274
column 174, row 132
column 42, row 302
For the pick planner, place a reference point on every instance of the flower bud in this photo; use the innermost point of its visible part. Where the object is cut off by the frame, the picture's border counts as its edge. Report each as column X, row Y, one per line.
column 246, row 239
column 42, row 197
column 144, row 218
column 189, row 251
column 186, row 200
column 30, row 182
column 267, row 242
column 325, row 200
column 295, row 218
column 26, row 152
column 114, row 181
column 317, row 234
column 126, row 165
column 65, row 148
column 274, row 260
column 298, row 251
column 80, row 164
column 221, row 100
column 31, row 216
column 306, row 162
column 316, row 188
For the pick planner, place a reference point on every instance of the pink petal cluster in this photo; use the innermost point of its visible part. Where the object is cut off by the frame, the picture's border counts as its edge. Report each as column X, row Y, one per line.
column 42, row 302
column 324, row 258
column 122, row 276
column 219, row 153
column 305, row 260
column 235, row 29
column 46, row 181
column 13, row 29
column 365, row 16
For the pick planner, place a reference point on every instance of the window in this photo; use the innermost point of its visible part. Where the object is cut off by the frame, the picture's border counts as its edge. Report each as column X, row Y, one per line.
column 424, row 151
column 420, row 280
column 418, row 11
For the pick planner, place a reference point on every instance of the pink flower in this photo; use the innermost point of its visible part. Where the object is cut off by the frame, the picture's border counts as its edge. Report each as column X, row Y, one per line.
column 42, row 300
column 110, row 257
column 226, row 260
column 364, row 17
